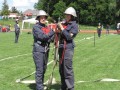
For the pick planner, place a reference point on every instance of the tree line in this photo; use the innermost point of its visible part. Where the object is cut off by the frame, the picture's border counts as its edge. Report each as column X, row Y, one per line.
column 5, row 9
column 88, row 11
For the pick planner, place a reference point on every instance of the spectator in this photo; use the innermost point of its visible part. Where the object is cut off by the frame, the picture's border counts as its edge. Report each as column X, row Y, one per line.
column 0, row 28
column 7, row 28
column 10, row 26
column 99, row 29
column 17, row 31
column 107, row 29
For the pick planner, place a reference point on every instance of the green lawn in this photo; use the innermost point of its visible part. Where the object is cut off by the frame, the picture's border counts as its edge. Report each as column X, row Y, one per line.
column 90, row 63
column 86, row 27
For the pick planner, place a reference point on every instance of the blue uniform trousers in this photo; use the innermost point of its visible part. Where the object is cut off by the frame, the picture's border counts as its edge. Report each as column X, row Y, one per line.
column 16, row 36
column 66, row 69
column 99, row 33
column 40, row 59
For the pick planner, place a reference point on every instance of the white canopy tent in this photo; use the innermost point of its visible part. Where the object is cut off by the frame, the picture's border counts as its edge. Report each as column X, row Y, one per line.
column 32, row 21
column 29, row 21
column 118, row 25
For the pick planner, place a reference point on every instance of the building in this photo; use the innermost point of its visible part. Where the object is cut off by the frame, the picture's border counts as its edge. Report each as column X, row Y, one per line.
column 14, row 16
column 30, row 13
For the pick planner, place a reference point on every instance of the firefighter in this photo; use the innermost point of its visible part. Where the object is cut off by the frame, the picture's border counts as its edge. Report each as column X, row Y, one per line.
column 99, row 29
column 17, row 31
column 69, row 30
column 42, row 36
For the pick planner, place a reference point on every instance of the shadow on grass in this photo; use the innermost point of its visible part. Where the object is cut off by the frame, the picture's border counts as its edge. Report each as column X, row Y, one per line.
column 32, row 86
column 52, row 87
column 55, row 87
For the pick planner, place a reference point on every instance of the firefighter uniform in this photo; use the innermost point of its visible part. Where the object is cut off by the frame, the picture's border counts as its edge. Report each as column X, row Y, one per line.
column 99, row 29
column 17, row 31
column 66, row 50
column 42, row 36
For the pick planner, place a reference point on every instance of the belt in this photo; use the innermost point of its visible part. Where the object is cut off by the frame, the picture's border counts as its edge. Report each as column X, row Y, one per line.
column 67, row 42
column 41, row 43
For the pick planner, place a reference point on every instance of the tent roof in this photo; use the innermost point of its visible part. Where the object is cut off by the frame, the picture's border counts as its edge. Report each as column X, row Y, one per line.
column 32, row 20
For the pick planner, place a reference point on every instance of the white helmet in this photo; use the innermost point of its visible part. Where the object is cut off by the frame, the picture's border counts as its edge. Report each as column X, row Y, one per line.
column 41, row 13
column 99, row 24
column 71, row 11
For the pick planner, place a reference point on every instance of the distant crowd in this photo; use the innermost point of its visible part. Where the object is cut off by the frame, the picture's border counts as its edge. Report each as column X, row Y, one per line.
column 5, row 28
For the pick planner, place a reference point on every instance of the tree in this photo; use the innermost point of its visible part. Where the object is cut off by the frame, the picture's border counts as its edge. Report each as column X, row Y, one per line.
column 5, row 8
column 47, row 5
column 118, row 10
column 14, row 10
column 59, row 10
column 90, row 11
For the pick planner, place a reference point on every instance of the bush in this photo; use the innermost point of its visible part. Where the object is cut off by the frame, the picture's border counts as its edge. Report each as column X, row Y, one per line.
column 50, row 20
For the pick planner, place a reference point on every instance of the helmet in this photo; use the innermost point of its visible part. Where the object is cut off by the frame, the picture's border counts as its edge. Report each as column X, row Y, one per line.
column 41, row 13
column 16, row 21
column 71, row 11
column 99, row 24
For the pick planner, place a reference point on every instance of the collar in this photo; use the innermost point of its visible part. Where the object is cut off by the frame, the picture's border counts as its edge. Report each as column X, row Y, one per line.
column 71, row 22
column 43, row 25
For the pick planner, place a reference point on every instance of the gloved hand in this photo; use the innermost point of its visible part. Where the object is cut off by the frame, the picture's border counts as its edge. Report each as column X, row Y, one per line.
column 60, row 26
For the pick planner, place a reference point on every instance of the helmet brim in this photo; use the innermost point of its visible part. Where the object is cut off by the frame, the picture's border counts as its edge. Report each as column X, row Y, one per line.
column 37, row 18
column 70, row 14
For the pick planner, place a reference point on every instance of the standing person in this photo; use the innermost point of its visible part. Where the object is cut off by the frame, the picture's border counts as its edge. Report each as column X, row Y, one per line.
column 118, row 27
column 17, row 31
column 66, row 49
column 107, row 29
column 9, row 26
column 99, row 29
column 42, row 36
column 0, row 28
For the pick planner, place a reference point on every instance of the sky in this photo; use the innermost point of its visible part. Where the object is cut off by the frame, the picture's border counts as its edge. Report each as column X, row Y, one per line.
column 21, row 5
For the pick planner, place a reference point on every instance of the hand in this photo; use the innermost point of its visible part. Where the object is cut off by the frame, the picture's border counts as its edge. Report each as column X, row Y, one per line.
column 61, row 27
column 54, row 29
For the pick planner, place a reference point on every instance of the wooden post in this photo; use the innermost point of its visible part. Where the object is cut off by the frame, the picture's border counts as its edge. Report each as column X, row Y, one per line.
column 94, row 39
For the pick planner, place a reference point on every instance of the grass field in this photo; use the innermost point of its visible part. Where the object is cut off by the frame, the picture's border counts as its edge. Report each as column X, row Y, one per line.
column 90, row 63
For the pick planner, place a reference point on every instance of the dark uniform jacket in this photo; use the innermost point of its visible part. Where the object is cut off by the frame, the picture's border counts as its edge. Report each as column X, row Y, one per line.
column 40, row 38
column 72, row 27
column 17, row 28
column 99, row 28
